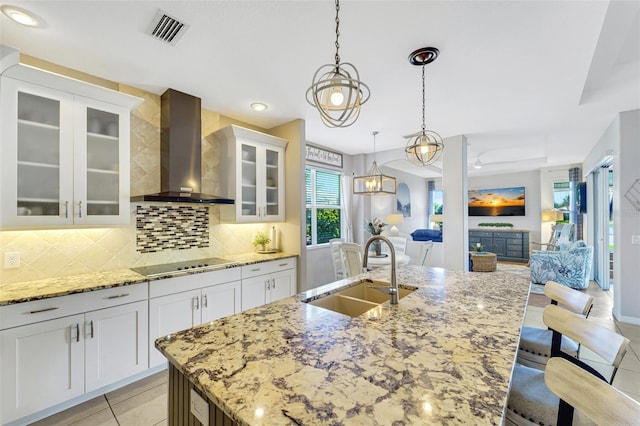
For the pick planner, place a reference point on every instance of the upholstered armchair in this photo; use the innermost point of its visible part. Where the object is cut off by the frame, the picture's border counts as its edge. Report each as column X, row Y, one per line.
column 570, row 266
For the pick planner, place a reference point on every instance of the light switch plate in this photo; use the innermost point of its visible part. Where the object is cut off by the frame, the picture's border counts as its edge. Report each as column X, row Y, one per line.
column 12, row 260
column 199, row 408
column 635, row 239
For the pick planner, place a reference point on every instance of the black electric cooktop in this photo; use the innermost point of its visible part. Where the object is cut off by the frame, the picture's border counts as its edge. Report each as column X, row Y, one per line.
column 190, row 265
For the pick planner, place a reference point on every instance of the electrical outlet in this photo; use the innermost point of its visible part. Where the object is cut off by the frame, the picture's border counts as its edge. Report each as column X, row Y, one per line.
column 199, row 408
column 635, row 239
column 12, row 260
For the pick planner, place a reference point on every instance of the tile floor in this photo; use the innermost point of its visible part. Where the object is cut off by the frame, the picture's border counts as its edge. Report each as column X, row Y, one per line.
column 144, row 403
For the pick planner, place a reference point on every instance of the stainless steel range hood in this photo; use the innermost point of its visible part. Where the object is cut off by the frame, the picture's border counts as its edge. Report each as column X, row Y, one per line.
column 180, row 152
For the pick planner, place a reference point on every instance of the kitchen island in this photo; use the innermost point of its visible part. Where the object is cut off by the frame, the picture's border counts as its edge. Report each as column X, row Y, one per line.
column 443, row 355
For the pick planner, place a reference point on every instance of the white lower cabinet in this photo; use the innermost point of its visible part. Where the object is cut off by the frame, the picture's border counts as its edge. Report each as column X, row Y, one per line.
column 56, row 349
column 116, row 344
column 267, row 282
column 42, row 365
column 202, row 298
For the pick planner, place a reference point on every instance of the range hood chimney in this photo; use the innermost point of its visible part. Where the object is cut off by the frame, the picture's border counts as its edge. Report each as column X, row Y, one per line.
column 180, row 152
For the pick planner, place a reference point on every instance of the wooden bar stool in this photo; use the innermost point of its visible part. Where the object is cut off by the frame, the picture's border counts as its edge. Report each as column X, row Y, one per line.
column 534, row 348
column 530, row 401
column 596, row 399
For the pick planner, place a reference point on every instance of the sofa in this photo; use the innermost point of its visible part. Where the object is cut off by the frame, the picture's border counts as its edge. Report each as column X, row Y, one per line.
column 434, row 235
column 569, row 266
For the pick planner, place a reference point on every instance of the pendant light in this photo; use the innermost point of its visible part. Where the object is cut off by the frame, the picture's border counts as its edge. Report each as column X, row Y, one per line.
column 374, row 183
column 336, row 90
column 424, row 147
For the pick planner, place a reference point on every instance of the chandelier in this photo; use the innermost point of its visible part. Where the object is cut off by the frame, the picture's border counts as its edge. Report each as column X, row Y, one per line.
column 374, row 183
column 336, row 90
column 424, row 147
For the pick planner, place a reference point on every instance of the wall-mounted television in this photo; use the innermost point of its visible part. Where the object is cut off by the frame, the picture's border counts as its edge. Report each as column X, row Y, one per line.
column 497, row 202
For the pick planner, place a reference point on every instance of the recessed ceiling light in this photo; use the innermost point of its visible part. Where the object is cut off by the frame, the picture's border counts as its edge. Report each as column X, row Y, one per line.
column 258, row 106
column 21, row 16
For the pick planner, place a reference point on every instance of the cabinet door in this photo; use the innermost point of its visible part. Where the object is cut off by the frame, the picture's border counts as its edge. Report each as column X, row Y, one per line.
column 37, row 155
column 254, row 292
column 168, row 314
column 101, row 191
column 273, row 195
column 281, row 285
column 220, row 301
column 116, row 343
column 500, row 246
column 248, row 207
column 42, row 365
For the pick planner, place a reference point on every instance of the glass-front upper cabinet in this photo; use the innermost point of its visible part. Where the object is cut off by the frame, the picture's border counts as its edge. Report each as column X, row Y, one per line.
column 253, row 166
column 63, row 158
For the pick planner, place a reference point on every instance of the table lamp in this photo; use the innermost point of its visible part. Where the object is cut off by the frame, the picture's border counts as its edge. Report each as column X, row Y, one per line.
column 437, row 218
column 394, row 219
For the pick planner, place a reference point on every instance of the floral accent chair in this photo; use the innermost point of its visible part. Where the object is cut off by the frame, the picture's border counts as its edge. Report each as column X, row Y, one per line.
column 570, row 266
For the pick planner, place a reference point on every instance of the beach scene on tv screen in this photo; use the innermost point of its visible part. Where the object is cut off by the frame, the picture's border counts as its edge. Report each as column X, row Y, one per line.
column 497, row 202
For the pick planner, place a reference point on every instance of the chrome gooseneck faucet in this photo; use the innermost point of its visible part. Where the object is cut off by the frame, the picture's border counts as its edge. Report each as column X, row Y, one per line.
column 393, row 290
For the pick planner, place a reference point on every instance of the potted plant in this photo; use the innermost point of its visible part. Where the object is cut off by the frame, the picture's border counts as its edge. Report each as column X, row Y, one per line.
column 261, row 239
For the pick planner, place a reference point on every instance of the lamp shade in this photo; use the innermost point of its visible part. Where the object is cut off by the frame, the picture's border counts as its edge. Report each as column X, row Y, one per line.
column 394, row 219
column 437, row 218
column 551, row 215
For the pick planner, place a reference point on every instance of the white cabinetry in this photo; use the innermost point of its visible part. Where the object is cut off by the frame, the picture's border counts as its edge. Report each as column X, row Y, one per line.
column 253, row 166
column 182, row 302
column 267, row 282
column 53, row 350
column 65, row 156
column 115, row 343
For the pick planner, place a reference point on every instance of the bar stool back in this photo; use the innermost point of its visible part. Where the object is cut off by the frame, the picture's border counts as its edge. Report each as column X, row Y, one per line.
column 534, row 348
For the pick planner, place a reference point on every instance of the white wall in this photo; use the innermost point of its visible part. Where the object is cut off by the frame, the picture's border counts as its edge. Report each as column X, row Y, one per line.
column 381, row 206
column 531, row 182
column 621, row 141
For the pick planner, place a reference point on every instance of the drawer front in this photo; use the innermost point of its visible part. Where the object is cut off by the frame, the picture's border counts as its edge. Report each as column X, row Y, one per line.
column 270, row 267
column 57, row 307
column 480, row 234
column 41, row 310
column 117, row 296
column 508, row 234
column 190, row 282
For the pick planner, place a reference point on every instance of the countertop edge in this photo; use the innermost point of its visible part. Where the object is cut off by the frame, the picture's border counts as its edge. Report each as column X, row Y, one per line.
column 10, row 294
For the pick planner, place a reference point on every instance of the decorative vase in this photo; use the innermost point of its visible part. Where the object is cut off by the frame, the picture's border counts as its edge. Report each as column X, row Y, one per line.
column 263, row 247
column 377, row 247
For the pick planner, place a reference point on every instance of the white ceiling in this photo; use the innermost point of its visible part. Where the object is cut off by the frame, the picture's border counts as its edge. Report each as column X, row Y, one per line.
column 530, row 83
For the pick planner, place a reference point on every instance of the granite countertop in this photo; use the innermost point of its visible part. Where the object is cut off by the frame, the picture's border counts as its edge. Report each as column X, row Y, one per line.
column 27, row 291
column 443, row 355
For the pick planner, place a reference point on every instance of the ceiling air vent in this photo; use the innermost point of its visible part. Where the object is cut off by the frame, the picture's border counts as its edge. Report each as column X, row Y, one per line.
column 167, row 28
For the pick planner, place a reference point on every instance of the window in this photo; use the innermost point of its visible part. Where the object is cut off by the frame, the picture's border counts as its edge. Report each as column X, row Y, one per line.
column 561, row 198
column 323, row 202
column 437, row 201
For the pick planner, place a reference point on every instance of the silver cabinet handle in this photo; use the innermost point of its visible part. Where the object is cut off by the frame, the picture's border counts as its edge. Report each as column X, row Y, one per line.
column 273, row 283
column 66, row 209
column 117, row 296
column 196, row 303
column 79, row 208
column 282, row 264
column 44, row 310
column 77, row 332
column 205, row 303
column 268, row 284
column 91, row 325
column 255, row 269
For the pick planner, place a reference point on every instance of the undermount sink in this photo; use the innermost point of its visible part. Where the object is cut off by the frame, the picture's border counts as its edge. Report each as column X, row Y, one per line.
column 355, row 301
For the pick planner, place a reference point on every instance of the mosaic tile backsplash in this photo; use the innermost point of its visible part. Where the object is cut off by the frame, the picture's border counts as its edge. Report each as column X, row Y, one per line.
column 171, row 228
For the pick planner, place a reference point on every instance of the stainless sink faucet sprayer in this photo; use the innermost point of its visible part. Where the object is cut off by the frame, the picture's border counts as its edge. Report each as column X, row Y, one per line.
column 393, row 290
